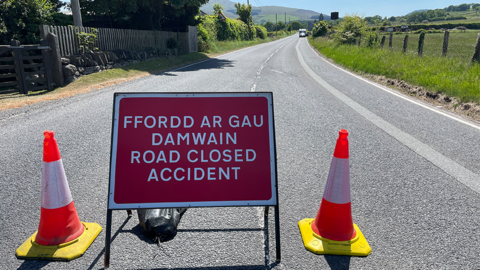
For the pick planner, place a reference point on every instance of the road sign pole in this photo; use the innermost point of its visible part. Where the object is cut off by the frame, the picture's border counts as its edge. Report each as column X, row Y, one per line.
column 108, row 234
column 277, row 233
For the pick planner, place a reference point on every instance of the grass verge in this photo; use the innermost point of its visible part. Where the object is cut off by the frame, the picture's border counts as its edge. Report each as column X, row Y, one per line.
column 450, row 76
column 11, row 100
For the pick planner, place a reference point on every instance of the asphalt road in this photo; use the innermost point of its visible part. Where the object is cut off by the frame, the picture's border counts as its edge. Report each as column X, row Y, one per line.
column 414, row 172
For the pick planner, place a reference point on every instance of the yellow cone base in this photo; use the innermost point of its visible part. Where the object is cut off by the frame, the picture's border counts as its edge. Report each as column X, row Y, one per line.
column 358, row 246
column 31, row 250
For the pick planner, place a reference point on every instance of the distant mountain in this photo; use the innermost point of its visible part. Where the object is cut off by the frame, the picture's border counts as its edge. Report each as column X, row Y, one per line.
column 420, row 10
column 265, row 14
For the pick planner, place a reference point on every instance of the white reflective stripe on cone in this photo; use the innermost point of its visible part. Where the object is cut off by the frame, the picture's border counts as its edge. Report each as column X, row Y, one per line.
column 55, row 191
column 338, row 183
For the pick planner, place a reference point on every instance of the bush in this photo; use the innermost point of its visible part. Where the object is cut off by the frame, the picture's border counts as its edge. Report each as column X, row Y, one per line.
column 320, row 29
column 232, row 30
column 371, row 39
column 201, row 32
column 261, row 31
column 349, row 29
column 203, row 46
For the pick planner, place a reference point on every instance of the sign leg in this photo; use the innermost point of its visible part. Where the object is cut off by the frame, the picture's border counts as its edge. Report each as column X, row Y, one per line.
column 277, row 233
column 108, row 234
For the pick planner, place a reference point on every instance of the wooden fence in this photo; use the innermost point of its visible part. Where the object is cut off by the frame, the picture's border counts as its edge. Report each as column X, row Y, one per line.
column 25, row 68
column 109, row 39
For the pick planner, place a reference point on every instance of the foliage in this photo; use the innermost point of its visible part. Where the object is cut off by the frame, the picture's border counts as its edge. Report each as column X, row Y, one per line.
column 202, row 33
column 269, row 26
column 280, row 25
column 217, row 8
column 244, row 12
column 61, row 19
column 172, row 43
column 245, row 15
column 371, row 39
column 320, row 29
column 140, row 14
column 87, row 40
column 261, row 31
column 211, row 30
column 296, row 25
column 349, row 29
column 19, row 19
column 320, row 17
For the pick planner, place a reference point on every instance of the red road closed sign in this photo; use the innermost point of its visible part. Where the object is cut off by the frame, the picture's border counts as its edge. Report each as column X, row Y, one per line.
column 192, row 150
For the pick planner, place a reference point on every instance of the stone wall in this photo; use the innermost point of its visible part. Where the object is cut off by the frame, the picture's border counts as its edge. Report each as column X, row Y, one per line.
column 87, row 63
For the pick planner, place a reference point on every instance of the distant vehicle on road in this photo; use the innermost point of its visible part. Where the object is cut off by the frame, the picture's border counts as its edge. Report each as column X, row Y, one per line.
column 302, row 33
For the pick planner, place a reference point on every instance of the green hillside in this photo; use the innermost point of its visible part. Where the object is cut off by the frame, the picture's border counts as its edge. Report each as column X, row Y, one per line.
column 265, row 14
column 461, row 14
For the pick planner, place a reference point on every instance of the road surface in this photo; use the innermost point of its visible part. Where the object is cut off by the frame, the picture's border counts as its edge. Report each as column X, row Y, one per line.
column 414, row 171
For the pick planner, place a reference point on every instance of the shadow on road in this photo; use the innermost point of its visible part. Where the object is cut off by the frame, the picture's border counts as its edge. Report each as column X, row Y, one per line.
column 212, row 63
column 338, row 262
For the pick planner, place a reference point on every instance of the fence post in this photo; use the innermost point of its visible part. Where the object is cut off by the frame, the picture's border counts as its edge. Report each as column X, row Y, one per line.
column 19, row 71
column 383, row 41
column 390, row 41
column 55, row 59
column 405, row 44
column 445, row 43
column 48, row 65
column 476, row 53
column 421, row 40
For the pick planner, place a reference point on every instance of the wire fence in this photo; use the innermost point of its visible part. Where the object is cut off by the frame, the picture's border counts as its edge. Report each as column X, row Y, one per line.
column 461, row 45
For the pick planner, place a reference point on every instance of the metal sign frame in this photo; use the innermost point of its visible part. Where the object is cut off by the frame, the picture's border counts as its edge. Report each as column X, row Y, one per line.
column 113, row 153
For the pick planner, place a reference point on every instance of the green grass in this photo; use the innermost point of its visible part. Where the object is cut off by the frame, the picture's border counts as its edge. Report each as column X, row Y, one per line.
column 451, row 75
column 461, row 45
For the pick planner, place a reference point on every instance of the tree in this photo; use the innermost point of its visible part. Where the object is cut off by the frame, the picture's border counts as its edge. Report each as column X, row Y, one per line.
column 217, row 8
column 392, row 19
column 244, row 12
column 19, row 19
column 350, row 28
column 140, row 14
column 280, row 25
column 270, row 26
column 320, row 29
column 320, row 17
column 296, row 25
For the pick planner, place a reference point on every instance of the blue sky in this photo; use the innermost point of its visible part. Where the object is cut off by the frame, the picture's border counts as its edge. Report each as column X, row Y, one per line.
column 365, row 7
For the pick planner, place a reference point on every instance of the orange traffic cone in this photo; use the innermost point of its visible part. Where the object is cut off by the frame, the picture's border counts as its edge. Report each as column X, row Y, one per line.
column 333, row 231
column 59, row 222
column 61, row 235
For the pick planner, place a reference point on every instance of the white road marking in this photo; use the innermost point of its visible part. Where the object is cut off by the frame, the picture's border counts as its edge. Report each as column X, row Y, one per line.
column 449, row 166
column 261, row 68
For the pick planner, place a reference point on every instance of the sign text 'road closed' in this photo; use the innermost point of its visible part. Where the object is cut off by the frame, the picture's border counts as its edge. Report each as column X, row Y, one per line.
column 212, row 149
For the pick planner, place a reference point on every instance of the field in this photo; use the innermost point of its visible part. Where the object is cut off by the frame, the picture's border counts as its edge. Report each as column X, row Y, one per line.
column 454, row 75
column 461, row 45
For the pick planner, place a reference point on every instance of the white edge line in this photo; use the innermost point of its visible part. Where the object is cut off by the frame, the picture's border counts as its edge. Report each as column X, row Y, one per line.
column 397, row 94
